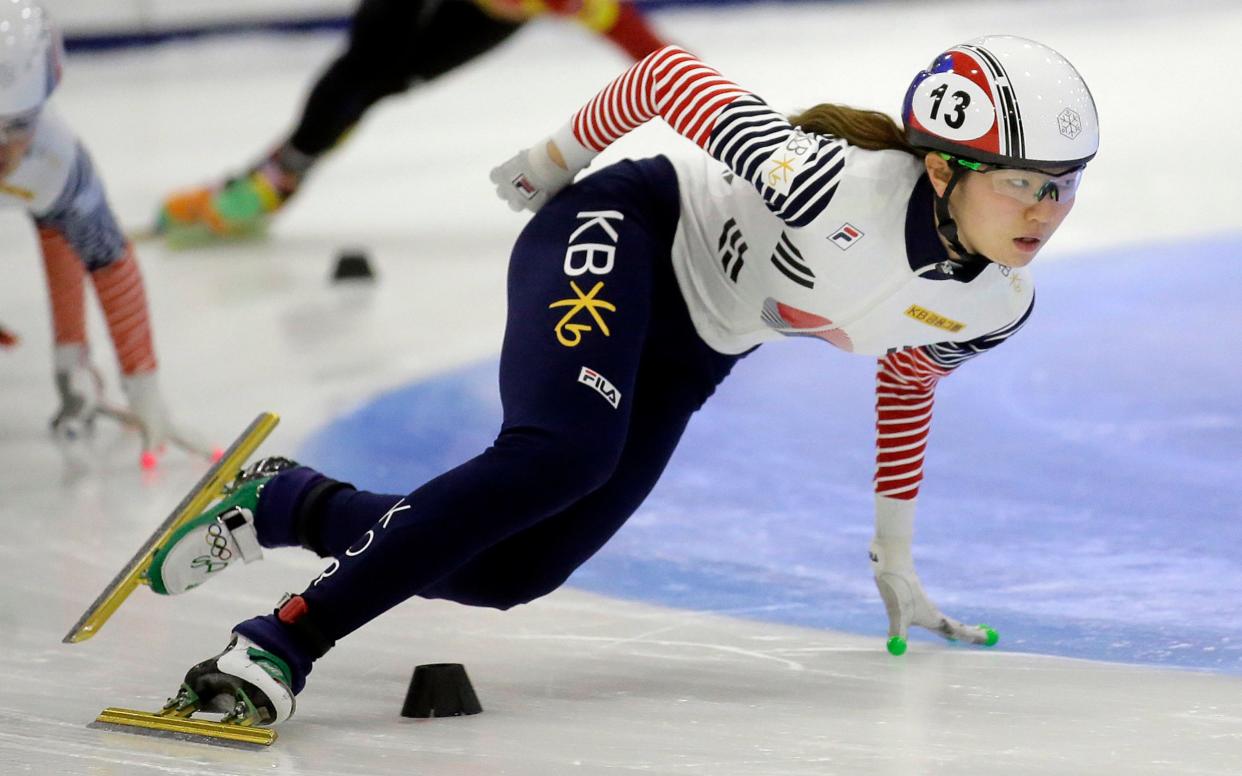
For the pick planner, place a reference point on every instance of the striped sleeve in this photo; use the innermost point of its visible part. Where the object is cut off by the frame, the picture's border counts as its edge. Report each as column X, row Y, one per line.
column 795, row 172
column 905, row 389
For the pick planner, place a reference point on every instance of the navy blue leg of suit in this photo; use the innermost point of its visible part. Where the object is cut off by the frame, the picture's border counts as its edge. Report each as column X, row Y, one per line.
column 591, row 292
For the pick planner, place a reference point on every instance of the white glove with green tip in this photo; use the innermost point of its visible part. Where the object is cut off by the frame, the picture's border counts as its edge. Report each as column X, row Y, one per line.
column 907, row 604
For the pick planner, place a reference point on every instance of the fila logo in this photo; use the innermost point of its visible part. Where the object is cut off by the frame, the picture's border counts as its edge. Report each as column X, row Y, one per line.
column 601, row 385
column 524, row 186
column 846, row 236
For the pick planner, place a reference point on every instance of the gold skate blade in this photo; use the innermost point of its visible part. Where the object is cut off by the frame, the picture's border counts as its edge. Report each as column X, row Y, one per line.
column 183, row 728
column 207, row 489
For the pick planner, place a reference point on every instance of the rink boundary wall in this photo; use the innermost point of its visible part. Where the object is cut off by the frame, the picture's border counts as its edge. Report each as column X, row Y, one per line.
column 151, row 22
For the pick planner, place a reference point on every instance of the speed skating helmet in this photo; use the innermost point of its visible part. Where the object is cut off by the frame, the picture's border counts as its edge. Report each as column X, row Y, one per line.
column 31, row 53
column 1006, row 101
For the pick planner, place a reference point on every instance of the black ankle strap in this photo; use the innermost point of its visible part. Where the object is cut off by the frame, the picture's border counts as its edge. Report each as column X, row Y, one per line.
column 308, row 519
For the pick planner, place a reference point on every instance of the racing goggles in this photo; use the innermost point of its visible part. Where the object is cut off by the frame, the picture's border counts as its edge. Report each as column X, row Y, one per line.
column 1026, row 186
column 18, row 127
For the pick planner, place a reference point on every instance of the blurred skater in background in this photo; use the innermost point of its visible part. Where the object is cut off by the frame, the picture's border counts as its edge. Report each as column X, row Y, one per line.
column 45, row 170
column 393, row 46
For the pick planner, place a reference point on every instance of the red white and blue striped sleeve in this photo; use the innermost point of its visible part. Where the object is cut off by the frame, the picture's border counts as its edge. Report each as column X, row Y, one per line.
column 904, row 392
column 905, row 387
column 795, row 172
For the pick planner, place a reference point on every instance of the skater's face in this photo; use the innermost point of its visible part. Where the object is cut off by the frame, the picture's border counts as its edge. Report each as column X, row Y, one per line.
column 1006, row 215
column 16, row 132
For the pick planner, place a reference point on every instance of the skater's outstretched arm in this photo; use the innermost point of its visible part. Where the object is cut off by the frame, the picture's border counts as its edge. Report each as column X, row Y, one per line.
column 794, row 171
column 905, row 390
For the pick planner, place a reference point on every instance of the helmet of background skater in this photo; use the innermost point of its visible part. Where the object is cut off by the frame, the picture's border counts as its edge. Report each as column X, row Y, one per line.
column 31, row 52
column 1003, row 100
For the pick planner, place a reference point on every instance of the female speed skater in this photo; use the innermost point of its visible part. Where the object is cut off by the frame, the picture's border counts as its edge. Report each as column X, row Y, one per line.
column 633, row 292
column 45, row 170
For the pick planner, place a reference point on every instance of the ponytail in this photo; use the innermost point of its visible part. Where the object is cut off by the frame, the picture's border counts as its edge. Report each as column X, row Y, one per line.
column 868, row 129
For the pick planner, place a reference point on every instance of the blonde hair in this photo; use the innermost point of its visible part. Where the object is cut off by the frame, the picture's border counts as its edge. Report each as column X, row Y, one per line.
column 869, row 129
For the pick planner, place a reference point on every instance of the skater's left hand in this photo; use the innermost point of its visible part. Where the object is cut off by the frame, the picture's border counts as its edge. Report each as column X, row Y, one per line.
column 531, row 177
column 147, row 404
column 907, row 604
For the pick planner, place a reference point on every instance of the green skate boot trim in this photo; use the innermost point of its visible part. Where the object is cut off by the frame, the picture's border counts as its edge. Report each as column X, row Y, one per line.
column 238, row 210
column 993, row 636
column 240, row 203
column 896, row 646
column 271, row 663
column 207, row 490
column 154, row 576
column 259, row 681
column 217, row 547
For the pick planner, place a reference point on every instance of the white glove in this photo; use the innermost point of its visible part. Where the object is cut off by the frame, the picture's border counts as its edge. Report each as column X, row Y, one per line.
column 79, row 387
column 530, row 178
column 143, row 393
column 906, row 602
column 534, row 175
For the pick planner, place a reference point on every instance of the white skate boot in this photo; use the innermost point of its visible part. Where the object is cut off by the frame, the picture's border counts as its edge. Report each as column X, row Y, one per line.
column 249, row 685
column 212, row 541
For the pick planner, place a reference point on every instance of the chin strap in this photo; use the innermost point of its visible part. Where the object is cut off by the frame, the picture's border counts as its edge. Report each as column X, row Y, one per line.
column 947, row 226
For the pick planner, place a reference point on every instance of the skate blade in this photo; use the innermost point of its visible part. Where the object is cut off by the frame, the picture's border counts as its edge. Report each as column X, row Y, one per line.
column 188, row 237
column 183, row 728
column 207, row 489
column 188, row 443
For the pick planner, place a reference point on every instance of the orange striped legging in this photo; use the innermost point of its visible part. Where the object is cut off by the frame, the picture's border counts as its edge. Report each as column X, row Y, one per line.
column 121, row 296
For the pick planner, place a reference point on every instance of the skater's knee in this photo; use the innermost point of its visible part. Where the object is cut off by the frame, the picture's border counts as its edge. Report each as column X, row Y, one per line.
column 377, row 74
column 573, row 463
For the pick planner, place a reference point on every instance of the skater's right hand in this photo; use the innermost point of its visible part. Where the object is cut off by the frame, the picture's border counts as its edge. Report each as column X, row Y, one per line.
column 531, row 177
column 79, row 386
column 907, row 604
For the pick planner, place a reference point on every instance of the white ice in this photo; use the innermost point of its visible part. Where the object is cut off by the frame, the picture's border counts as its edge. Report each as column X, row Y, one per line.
column 573, row 684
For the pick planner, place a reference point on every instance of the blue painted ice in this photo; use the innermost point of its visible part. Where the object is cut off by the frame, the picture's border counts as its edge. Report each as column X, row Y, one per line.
column 1082, row 496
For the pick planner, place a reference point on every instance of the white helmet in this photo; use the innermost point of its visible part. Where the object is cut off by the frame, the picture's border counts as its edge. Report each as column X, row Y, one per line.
column 1004, row 100
column 30, row 56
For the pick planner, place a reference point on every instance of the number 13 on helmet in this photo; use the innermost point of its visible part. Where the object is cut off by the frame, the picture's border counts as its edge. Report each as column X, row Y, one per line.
column 1006, row 101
